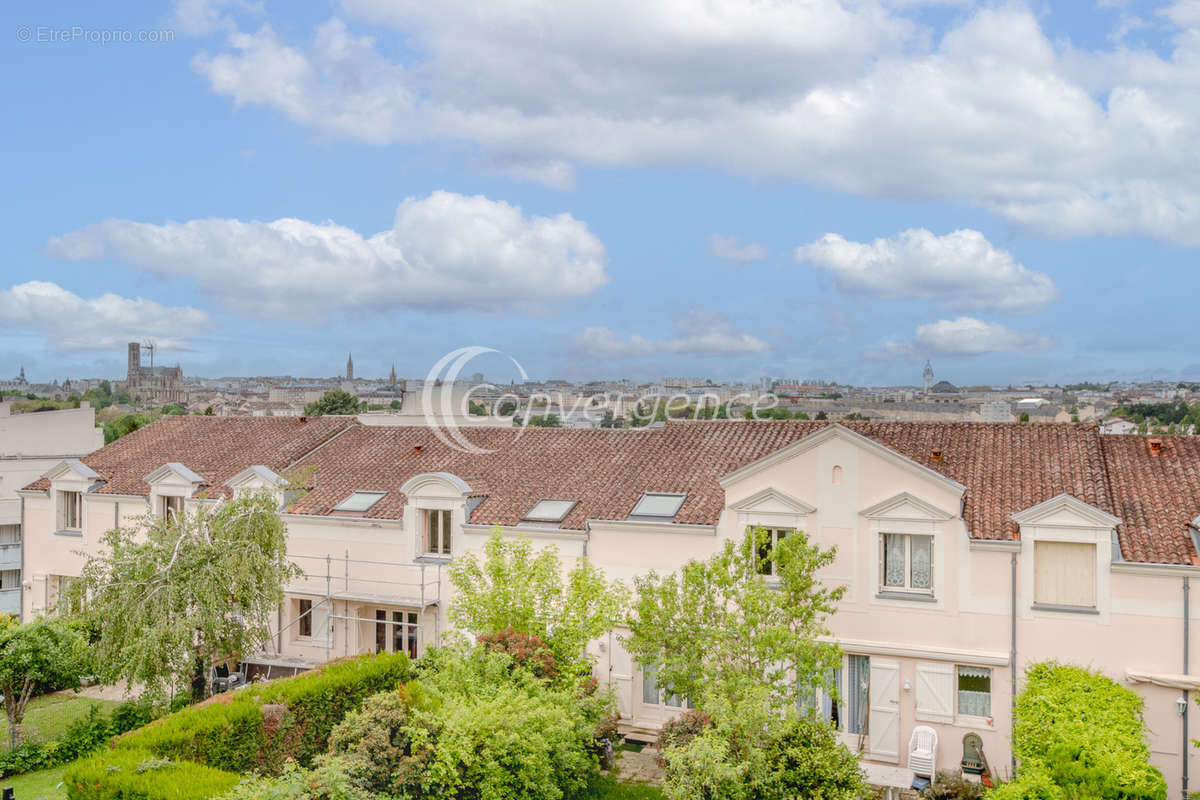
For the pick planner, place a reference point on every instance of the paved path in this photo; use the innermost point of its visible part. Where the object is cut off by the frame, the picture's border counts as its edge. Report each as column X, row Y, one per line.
column 640, row 767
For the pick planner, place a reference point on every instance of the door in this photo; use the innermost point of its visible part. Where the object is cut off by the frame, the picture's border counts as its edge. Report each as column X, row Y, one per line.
column 620, row 675
column 884, row 695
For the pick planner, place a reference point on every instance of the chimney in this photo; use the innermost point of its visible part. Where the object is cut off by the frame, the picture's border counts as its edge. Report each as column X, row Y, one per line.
column 303, row 420
column 1155, row 446
column 417, row 449
column 937, row 454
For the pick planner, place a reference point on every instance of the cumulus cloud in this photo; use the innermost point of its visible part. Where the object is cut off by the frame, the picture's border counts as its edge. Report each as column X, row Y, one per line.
column 959, row 270
column 989, row 111
column 698, row 332
column 71, row 322
column 963, row 336
column 202, row 17
column 446, row 252
column 727, row 248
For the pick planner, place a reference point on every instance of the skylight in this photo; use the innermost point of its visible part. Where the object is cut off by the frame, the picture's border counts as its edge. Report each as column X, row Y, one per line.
column 550, row 510
column 663, row 506
column 359, row 501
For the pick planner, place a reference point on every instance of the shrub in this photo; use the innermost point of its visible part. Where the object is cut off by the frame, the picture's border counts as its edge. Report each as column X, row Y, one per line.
column 1085, row 734
column 681, row 730
column 327, row 781
column 376, row 746
column 952, row 786
column 526, row 650
column 261, row 727
column 139, row 775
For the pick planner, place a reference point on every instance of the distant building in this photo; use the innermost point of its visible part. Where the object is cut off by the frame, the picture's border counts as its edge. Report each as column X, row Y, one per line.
column 156, row 385
column 995, row 411
column 927, row 376
column 350, row 367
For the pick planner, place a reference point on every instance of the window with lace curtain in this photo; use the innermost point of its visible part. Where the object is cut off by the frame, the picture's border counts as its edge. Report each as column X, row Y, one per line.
column 974, row 692
column 906, row 563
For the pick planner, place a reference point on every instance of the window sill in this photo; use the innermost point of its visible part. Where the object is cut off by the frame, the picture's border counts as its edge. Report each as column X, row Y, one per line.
column 74, row 533
column 913, row 596
column 1065, row 609
column 432, row 558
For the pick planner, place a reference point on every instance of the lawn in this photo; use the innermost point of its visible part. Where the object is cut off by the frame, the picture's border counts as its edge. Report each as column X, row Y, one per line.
column 609, row 788
column 47, row 717
column 35, row 785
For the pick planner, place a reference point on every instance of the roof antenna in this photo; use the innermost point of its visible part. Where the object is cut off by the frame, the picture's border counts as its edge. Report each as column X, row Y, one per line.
column 148, row 345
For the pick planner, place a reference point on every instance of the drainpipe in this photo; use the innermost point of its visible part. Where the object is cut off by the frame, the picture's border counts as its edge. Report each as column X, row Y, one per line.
column 1186, row 700
column 1012, row 662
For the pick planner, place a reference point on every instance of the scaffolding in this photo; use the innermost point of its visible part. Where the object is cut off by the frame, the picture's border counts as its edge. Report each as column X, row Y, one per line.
column 335, row 583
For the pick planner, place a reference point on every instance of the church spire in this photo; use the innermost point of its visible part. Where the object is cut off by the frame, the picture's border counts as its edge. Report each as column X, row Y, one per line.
column 350, row 367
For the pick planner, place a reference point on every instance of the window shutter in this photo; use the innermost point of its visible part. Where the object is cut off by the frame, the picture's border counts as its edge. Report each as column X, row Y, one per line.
column 320, row 623
column 935, row 691
column 39, row 594
column 1065, row 574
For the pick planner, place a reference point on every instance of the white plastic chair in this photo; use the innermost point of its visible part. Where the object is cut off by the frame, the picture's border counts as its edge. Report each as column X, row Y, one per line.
column 922, row 751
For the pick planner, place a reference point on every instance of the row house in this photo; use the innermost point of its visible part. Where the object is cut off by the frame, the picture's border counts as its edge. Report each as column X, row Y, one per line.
column 968, row 550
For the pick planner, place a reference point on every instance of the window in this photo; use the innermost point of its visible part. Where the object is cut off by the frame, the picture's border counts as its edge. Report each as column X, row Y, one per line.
column 403, row 635
column 550, row 510
column 437, row 532
column 655, row 695
column 304, row 610
column 10, row 579
column 906, row 563
column 843, row 703
column 658, row 506
column 70, row 511
column 170, row 507
column 765, row 541
column 1065, row 574
column 10, row 534
column 974, row 692
column 359, row 501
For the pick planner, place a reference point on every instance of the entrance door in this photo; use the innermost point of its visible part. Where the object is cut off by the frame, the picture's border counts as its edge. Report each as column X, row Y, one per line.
column 884, row 696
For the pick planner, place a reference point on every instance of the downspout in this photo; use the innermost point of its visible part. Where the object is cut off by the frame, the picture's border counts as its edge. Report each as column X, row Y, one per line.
column 1186, row 700
column 1012, row 663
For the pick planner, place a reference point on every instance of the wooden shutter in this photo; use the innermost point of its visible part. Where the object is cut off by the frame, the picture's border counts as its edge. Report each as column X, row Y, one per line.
column 1065, row 574
column 935, row 691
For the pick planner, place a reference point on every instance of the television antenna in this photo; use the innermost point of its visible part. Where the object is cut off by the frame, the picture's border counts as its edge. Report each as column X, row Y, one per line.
column 149, row 346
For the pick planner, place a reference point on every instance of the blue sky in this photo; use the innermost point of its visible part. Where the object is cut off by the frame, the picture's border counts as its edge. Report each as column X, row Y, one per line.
column 618, row 189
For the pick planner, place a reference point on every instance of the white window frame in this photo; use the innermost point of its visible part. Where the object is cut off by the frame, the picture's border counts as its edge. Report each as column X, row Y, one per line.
column 402, row 623
column 774, row 534
column 664, row 695
column 960, row 716
column 441, row 547
column 907, row 588
column 64, row 516
column 304, row 618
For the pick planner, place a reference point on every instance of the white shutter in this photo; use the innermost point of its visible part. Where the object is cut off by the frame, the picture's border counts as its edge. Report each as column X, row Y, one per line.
column 38, row 601
column 321, row 634
column 935, row 691
column 884, row 714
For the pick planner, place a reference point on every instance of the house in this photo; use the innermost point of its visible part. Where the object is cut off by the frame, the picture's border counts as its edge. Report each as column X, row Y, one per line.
column 968, row 550
column 1118, row 425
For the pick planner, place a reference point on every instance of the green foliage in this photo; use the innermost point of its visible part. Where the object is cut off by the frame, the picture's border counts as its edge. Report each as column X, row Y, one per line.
column 525, row 649
column 1024, row 416
column 334, row 402
column 395, row 405
column 1083, row 733
column 48, row 651
column 821, row 415
column 378, row 749
column 545, row 421
column 507, row 408
column 475, row 409
column 173, row 409
column 680, row 730
column 952, row 786
column 124, row 425
column 81, row 737
column 327, row 781
column 723, row 634
column 161, row 596
column 139, row 775
column 514, row 589
column 261, row 727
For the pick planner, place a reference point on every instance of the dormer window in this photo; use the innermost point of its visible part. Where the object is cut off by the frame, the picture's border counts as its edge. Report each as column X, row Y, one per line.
column 359, row 502
column 658, row 506
column 550, row 510
column 70, row 511
column 437, row 532
column 170, row 507
column 906, row 563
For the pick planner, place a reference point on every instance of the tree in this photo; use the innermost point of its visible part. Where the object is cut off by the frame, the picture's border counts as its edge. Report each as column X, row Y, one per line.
column 394, row 405
column 173, row 409
column 475, row 409
column 125, row 424
column 196, row 587
column 1024, row 416
column 507, row 409
column 47, row 651
column 517, row 590
column 821, row 415
column 728, row 634
column 545, row 421
column 334, row 402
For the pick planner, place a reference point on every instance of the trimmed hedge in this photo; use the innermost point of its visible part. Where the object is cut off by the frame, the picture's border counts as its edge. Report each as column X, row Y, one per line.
column 139, row 775
column 262, row 726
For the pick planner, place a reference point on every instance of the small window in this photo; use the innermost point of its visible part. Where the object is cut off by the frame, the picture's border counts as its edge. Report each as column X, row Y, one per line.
column 437, row 532
column 170, row 507
column 1064, row 574
column 660, row 506
column 550, row 510
column 906, row 563
column 765, row 541
column 70, row 511
column 304, row 609
column 974, row 692
column 359, row 501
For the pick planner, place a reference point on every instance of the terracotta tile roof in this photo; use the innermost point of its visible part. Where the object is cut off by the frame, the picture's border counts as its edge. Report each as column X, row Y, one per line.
column 1006, row 467
column 217, row 448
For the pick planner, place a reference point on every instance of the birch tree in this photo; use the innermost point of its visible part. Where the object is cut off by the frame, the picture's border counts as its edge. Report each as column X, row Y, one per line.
column 189, row 590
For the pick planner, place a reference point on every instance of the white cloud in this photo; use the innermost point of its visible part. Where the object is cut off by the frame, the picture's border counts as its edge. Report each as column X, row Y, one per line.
column 728, row 248
column 963, row 336
column 446, row 252
column 71, row 322
column 202, row 17
column 856, row 97
column 959, row 270
column 698, row 332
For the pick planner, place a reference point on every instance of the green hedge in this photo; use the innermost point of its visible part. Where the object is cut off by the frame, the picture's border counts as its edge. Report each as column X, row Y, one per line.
column 259, row 728
column 140, row 775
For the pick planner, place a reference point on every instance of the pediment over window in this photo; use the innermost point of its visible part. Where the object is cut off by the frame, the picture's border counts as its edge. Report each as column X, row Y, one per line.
column 1066, row 511
column 72, row 469
column 255, row 477
column 435, row 483
column 174, row 473
column 906, row 506
column 772, row 501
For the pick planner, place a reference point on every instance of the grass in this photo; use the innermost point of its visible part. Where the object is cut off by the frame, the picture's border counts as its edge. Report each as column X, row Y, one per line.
column 35, row 785
column 609, row 788
column 47, row 717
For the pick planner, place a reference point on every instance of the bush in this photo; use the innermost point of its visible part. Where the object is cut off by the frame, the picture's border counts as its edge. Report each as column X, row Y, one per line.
column 1085, row 734
column 376, row 745
column 139, row 775
column 681, row 730
column 952, row 786
column 327, row 781
column 261, row 727
column 526, row 650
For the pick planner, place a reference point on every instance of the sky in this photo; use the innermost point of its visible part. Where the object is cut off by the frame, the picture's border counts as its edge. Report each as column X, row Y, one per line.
column 604, row 188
